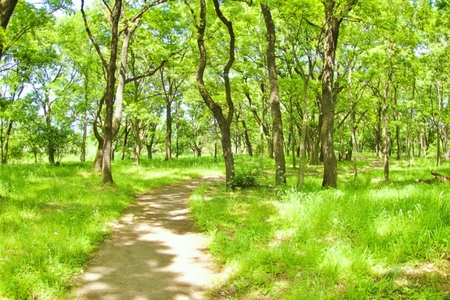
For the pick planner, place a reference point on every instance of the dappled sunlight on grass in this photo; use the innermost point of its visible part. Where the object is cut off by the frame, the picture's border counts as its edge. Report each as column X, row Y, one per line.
column 53, row 217
column 362, row 241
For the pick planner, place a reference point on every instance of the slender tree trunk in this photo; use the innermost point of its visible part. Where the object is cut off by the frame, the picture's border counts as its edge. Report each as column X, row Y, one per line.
column 293, row 142
column 5, row 142
column 137, row 141
column 84, row 118
column 110, row 67
column 386, row 140
column 98, row 157
column 149, row 147
column 177, row 133
column 168, row 140
column 99, row 154
column 278, row 142
column 248, row 143
column 438, row 124
column 48, row 122
column 378, row 132
column 223, row 122
column 2, row 148
column 353, row 126
column 301, row 168
column 354, row 144
column 125, row 140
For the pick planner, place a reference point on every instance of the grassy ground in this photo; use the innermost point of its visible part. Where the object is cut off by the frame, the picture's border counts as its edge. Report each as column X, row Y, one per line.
column 368, row 239
column 53, row 218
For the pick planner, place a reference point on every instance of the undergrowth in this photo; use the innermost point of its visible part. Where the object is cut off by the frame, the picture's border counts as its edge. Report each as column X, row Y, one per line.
column 367, row 239
column 53, row 218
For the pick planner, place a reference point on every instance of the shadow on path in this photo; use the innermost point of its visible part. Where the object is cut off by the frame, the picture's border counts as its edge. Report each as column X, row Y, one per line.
column 153, row 252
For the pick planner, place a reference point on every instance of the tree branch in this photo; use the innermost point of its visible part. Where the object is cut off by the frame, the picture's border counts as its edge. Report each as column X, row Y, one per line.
column 91, row 37
column 149, row 73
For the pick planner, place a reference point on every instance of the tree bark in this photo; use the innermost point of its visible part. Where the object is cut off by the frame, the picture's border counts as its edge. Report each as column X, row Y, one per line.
column 95, row 125
column 278, row 142
column 327, row 101
column 5, row 142
column 84, row 122
column 438, row 124
column 223, row 121
column 137, row 141
column 110, row 67
column 248, row 143
column 301, row 167
column 6, row 10
column 333, row 20
column 127, row 131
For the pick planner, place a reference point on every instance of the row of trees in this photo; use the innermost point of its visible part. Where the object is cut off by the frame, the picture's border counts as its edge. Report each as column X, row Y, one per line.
column 304, row 78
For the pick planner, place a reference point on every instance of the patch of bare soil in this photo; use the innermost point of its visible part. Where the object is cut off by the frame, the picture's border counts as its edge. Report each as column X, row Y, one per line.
column 153, row 252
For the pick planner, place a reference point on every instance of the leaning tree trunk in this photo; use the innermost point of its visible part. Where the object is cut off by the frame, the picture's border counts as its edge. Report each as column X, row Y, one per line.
column 278, row 142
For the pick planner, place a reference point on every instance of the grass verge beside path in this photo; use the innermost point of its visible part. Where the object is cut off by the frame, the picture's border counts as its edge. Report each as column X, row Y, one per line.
column 53, row 218
column 365, row 240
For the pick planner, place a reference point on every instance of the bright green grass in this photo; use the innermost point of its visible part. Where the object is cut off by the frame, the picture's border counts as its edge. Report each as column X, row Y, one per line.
column 53, row 218
column 365, row 240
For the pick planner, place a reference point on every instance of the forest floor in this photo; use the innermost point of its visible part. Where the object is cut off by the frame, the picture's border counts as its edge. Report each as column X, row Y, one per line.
column 153, row 252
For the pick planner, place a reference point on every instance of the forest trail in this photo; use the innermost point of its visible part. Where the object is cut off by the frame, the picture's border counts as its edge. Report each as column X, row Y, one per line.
column 153, row 253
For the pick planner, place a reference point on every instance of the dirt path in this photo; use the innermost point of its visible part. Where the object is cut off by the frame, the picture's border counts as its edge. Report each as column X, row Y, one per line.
column 153, row 252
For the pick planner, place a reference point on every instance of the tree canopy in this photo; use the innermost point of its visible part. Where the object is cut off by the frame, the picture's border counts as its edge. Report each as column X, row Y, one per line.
column 315, row 81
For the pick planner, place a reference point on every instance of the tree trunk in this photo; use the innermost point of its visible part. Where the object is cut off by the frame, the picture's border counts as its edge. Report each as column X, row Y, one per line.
column 177, row 133
column 84, row 119
column 327, row 101
column 387, row 142
column 223, row 122
column 149, row 147
column 168, row 140
column 137, row 141
column 438, row 124
column 6, row 10
column 248, row 143
column 301, row 167
column 95, row 125
column 150, row 140
column 5, row 142
column 108, row 97
column 98, row 157
column 278, row 143
column 125, row 140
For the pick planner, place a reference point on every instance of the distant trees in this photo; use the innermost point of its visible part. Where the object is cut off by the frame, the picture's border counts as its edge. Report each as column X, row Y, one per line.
column 340, row 77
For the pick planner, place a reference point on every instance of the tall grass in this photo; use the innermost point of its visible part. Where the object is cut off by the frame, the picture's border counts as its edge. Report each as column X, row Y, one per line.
column 53, row 218
column 365, row 240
